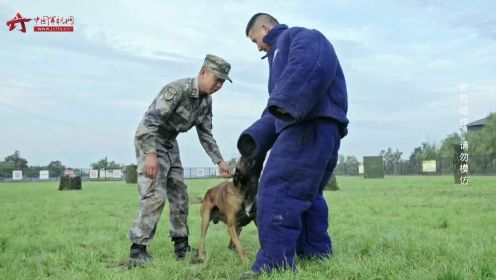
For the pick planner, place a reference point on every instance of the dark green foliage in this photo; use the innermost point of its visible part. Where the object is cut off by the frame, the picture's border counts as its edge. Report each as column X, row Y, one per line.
column 55, row 168
column 105, row 164
column 11, row 163
column 426, row 151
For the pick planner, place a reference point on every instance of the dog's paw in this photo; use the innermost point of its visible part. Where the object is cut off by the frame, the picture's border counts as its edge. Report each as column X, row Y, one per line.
column 244, row 256
column 201, row 253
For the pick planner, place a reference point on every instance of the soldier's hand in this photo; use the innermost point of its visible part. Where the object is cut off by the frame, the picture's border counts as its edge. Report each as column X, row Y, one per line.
column 151, row 165
column 224, row 170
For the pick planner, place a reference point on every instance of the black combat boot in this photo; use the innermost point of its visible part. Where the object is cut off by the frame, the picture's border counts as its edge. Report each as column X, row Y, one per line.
column 138, row 256
column 182, row 249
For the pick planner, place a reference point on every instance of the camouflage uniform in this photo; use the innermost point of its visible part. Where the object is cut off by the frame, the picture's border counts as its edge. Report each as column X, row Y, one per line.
column 177, row 108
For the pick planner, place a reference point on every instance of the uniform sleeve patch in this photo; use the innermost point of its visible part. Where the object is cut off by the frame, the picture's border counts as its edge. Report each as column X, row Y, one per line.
column 170, row 93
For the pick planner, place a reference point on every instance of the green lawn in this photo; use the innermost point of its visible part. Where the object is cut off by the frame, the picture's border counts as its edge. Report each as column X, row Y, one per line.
column 392, row 228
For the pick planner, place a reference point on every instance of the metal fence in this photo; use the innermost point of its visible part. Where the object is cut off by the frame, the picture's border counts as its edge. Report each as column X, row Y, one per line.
column 88, row 174
column 477, row 165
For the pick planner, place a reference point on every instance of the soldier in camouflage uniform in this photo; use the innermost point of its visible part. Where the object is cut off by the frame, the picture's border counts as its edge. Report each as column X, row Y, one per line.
column 178, row 107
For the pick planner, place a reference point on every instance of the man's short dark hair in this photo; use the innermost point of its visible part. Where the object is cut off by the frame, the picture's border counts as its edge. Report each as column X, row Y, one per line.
column 270, row 19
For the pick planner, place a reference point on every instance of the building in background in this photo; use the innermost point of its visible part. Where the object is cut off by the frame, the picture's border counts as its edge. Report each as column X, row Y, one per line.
column 476, row 126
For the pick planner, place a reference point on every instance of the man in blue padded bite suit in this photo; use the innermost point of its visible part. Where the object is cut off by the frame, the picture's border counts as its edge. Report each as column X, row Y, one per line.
column 303, row 123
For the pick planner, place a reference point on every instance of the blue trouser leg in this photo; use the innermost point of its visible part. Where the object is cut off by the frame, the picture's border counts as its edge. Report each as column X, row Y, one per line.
column 314, row 241
column 289, row 193
column 279, row 227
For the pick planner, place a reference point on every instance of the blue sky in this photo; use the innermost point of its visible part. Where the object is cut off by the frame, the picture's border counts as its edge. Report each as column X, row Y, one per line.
column 78, row 97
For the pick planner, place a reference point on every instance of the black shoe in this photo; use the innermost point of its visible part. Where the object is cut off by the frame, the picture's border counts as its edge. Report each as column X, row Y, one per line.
column 182, row 249
column 138, row 256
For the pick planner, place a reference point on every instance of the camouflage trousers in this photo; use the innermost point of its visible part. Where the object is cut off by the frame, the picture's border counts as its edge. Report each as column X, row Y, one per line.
column 169, row 184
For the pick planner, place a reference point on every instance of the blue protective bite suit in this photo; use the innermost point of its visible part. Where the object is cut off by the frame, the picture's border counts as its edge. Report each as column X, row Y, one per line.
column 306, row 81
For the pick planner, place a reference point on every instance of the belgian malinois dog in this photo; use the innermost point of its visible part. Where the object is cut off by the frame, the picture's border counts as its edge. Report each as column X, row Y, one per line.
column 234, row 203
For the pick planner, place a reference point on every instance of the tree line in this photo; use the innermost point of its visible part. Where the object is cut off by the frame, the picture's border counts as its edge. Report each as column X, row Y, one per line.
column 480, row 144
column 55, row 168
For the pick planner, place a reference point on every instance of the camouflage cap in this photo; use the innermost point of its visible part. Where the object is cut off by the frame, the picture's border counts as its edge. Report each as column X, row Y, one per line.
column 218, row 65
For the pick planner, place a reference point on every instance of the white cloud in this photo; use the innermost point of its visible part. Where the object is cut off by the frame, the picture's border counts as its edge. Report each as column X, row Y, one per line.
column 477, row 16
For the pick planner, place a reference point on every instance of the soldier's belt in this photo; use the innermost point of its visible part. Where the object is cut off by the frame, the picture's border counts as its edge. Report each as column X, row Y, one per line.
column 167, row 134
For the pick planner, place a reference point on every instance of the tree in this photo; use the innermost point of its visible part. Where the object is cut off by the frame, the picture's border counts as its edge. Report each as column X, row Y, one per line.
column 105, row 164
column 33, row 171
column 346, row 165
column 391, row 158
column 482, row 146
column 55, row 168
column 6, row 169
column 114, row 165
column 11, row 163
column 425, row 151
column 351, row 165
column 487, row 137
column 474, row 144
column 17, row 161
column 341, row 165
column 446, row 149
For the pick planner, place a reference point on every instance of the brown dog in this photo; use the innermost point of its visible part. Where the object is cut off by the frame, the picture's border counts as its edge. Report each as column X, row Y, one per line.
column 234, row 203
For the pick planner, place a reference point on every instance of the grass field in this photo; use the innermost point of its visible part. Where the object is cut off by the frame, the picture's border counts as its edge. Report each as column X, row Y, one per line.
column 392, row 228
